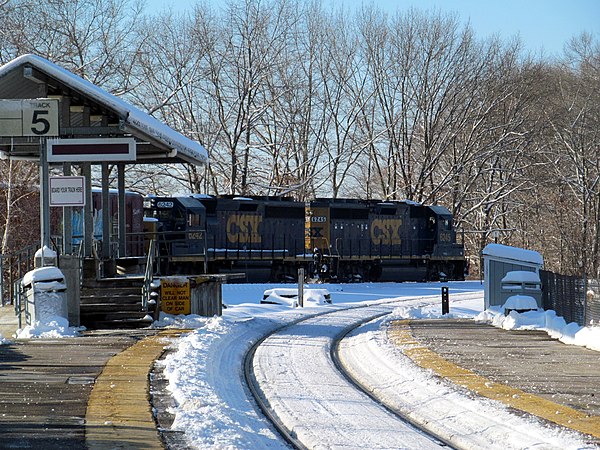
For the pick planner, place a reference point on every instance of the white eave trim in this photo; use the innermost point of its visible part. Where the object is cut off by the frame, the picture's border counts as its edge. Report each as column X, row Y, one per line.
column 134, row 118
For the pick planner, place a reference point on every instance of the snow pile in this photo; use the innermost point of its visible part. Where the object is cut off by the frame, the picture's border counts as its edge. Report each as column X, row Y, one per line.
column 205, row 380
column 289, row 297
column 520, row 303
column 548, row 321
column 182, row 322
column 196, row 400
column 46, row 254
column 51, row 327
column 43, row 274
column 3, row 341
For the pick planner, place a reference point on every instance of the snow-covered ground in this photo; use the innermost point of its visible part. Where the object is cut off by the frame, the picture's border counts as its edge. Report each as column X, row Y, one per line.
column 204, row 368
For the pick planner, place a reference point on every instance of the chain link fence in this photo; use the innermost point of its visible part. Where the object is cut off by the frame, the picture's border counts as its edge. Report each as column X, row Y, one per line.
column 576, row 299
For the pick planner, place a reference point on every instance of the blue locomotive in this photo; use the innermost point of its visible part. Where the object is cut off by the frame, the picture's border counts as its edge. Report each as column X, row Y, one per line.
column 270, row 238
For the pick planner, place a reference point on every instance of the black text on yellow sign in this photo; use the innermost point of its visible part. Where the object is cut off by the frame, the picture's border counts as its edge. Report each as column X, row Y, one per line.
column 175, row 296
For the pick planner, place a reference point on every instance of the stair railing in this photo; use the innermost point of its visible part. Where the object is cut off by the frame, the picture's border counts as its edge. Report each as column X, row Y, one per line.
column 19, row 300
column 148, row 275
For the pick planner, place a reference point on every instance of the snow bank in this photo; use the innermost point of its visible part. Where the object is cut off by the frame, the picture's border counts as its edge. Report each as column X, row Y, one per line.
column 520, row 302
column 51, row 327
column 548, row 321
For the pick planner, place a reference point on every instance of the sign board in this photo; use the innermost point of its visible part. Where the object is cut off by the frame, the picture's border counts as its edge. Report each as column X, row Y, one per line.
column 31, row 117
column 104, row 149
column 67, row 191
column 175, row 296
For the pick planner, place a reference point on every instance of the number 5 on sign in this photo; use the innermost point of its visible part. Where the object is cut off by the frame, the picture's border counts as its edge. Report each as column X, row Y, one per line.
column 40, row 117
column 30, row 117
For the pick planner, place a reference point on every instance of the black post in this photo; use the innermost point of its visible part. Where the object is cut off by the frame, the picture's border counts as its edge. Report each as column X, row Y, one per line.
column 445, row 300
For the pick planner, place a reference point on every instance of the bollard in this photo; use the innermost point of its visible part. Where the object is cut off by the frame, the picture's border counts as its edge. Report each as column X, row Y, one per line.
column 301, row 287
column 445, row 300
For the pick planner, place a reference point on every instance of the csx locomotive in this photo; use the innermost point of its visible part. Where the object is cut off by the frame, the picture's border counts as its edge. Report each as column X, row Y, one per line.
column 269, row 239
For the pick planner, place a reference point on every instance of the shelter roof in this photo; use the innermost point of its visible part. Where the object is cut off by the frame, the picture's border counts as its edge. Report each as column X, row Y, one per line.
column 86, row 110
column 513, row 253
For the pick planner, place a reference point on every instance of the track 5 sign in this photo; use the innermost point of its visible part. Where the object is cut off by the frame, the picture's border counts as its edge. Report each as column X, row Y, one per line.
column 31, row 117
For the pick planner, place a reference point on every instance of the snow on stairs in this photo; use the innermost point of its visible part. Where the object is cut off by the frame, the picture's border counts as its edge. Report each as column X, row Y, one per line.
column 113, row 303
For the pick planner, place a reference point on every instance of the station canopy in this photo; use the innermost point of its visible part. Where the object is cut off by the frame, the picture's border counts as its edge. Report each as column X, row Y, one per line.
column 87, row 111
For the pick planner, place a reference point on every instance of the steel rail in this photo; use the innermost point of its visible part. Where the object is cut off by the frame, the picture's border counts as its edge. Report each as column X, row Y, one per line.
column 263, row 404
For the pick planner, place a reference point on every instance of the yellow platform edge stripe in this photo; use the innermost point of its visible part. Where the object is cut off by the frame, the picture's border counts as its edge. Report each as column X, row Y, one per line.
column 119, row 414
column 399, row 333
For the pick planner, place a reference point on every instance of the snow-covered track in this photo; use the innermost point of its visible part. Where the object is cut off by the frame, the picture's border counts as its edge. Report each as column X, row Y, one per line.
column 297, row 383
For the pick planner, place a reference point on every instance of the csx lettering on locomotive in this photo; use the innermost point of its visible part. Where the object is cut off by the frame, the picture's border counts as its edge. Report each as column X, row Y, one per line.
column 243, row 228
column 386, row 231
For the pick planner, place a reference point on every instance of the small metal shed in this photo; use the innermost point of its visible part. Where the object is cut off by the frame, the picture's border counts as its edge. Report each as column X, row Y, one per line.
column 500, row 259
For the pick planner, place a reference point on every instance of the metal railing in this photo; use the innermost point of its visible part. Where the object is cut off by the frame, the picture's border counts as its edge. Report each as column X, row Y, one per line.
column 18, row 299
column 148, row 275
column 13, row 266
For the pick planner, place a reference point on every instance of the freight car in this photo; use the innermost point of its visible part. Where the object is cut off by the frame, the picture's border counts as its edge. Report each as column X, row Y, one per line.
column 133, row 220
column 270, row 238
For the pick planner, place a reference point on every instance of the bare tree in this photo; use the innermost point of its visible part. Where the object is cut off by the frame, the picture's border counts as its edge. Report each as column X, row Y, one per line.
column 573, row 156
column 18, row 193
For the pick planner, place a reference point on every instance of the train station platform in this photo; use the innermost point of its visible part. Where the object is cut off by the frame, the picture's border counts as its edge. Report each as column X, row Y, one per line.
column 92, row 391
column 86, row 392
column 528, row 371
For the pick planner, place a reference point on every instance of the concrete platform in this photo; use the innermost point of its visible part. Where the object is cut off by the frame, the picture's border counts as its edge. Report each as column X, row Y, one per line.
column 9, row 322
column 79, row 393
column 527, row 370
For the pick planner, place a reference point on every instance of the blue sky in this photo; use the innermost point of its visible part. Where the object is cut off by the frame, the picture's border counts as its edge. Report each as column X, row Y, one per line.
column 541, row 24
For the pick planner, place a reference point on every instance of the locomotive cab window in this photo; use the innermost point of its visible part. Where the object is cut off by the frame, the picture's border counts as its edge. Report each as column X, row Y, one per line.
column 193, row 220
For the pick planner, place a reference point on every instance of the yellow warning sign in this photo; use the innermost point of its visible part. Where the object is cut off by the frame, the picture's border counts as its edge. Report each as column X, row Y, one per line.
column 175, row 296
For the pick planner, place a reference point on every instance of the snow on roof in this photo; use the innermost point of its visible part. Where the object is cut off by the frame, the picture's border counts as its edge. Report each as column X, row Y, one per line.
column 513, row 253
column 134, row 118
column 521, row 276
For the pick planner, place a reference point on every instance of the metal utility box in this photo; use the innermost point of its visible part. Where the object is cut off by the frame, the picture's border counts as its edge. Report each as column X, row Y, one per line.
column 45, row 294
column 522, row 282
column 522, row 291
column 498, row 260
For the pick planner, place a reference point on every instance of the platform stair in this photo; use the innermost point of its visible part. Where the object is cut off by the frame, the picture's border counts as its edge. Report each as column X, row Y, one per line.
column 114, row 303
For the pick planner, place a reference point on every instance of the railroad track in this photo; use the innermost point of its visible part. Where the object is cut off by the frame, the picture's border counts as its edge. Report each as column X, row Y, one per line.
column 300, row 384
